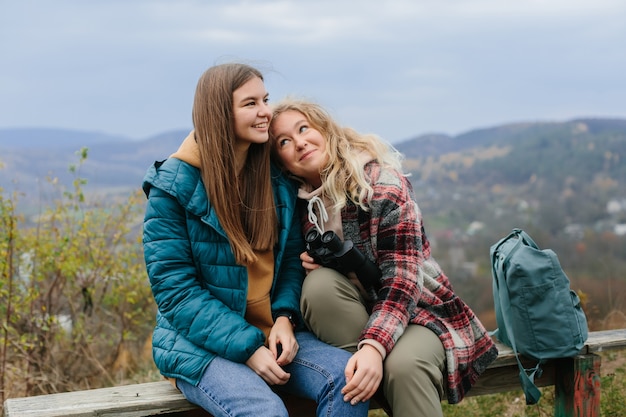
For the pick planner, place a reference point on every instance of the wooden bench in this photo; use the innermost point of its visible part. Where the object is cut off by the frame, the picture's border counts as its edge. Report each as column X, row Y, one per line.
column 576, row 381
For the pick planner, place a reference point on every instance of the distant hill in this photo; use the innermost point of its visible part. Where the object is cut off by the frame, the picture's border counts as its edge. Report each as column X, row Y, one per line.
column 581, row 150
column 42, row 138
column 575, row 167
column 536, row 162
column 515, row 133
column 563, row 182
column 29, row 156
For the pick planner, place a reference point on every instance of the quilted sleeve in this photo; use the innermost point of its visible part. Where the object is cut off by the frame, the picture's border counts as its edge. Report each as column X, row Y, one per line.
column 191, row 308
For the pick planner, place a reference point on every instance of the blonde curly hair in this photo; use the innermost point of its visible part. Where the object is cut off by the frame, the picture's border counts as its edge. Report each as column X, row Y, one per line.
column 343, row 177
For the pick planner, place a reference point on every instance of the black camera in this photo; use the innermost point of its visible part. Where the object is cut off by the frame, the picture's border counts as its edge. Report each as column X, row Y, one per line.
column 329, row 251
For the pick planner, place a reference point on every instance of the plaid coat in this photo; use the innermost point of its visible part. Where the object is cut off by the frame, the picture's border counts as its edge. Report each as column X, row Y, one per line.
column 414, row 288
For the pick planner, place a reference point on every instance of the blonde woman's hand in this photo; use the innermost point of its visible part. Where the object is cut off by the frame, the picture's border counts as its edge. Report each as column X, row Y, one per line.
column 283, row 341
column 308, row 263
column 364, row 371
column 263, row 363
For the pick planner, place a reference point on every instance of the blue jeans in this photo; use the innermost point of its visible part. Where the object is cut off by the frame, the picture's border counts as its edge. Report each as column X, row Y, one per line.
column 230, row 389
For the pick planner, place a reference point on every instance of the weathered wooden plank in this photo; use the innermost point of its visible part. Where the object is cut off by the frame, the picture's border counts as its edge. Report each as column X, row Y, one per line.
column 161, row 399
column 605, row 340
column 503, row 374
column 138, row 400
column 506, row 378
column 596, row 342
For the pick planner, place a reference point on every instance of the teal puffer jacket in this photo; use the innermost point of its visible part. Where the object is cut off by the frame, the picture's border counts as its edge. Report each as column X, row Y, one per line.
column 199, row 289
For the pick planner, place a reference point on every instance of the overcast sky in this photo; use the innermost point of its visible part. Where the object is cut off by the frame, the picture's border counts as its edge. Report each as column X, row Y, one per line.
column 398, row 68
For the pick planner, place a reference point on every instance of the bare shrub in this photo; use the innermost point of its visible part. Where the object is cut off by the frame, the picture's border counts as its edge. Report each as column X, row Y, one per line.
column 74, row 297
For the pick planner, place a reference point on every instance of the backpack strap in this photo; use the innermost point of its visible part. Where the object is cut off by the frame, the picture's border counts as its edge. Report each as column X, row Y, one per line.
column 496, row 261
column 527, row 376
column 526, row 238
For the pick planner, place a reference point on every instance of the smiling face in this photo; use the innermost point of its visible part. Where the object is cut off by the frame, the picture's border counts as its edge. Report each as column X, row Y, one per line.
column 300, row 147
column 251, row 112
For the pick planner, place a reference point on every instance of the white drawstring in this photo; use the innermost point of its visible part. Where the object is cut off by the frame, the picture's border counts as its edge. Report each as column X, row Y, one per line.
column 322, row 210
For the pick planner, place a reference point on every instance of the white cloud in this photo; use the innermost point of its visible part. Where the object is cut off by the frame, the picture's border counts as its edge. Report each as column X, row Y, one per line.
column 396, row 67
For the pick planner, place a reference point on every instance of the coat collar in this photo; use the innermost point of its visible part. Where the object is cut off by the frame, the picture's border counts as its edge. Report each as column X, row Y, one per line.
column 183, row 181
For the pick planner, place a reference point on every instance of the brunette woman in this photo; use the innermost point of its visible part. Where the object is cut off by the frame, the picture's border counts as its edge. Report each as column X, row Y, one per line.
column 222, row 249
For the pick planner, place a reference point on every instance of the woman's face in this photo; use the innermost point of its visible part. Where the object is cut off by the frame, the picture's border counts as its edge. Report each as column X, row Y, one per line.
column 300, row 147
column 252, row 114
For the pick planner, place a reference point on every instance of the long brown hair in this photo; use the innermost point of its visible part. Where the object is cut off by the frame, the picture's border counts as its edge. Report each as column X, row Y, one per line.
column 244, row 205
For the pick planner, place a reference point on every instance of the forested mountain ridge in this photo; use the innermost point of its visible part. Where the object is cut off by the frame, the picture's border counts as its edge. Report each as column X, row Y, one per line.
column 513, row 153
column 574, row 164
column 581, row 149
column 576, row 167
column 563, row 182
column 114, row 163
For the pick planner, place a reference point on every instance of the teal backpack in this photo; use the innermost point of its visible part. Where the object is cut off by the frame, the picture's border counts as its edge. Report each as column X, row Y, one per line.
column 537, row 313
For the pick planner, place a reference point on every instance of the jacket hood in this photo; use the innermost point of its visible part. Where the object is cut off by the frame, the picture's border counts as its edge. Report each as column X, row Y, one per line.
column 320, row 209
column 183, row 181
column 188, row 151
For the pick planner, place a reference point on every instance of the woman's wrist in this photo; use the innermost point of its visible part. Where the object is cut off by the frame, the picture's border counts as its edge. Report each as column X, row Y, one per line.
column 285, row 314
column 375, row 345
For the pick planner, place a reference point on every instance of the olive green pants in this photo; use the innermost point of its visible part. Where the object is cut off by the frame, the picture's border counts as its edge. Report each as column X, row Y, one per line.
column 413, row 372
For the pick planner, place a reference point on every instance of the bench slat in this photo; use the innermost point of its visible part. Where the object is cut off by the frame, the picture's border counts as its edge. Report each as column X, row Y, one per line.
column 605, row 340
column 138, row 400
column 506, row 378
column 503, row 374
column 596, row 342
column 160, row 398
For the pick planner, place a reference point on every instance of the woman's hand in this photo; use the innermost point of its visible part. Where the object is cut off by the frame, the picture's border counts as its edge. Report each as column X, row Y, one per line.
column 263, row 362
column 282, row 335
column 364, row 371
column 308, row 263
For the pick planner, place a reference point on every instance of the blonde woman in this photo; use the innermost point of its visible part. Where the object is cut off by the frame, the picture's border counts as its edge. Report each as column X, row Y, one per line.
column 393, row 307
